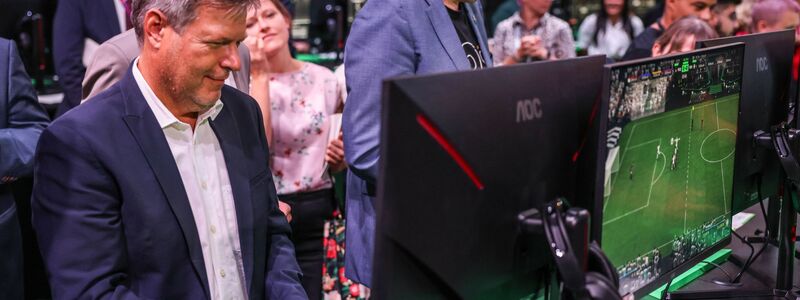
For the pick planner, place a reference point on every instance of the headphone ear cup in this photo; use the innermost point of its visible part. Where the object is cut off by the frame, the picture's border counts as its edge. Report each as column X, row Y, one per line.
column 598, row 262
column 600, row 288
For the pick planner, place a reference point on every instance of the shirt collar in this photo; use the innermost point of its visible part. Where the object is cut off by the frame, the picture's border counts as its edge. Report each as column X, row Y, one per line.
column 164, row 117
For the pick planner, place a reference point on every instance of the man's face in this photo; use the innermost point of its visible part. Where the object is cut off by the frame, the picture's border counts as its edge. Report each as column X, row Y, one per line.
column 196, row 62
column 724, row 20
column 538, row 6
column 787, row 20
column 698, row 8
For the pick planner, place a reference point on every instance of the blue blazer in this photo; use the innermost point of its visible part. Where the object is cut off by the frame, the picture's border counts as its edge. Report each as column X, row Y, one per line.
column 389, row 38
column 75, row 21
column 22, row 120
column 112, row 215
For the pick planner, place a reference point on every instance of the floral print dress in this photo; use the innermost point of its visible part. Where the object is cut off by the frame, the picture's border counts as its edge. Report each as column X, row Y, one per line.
column 302, row 102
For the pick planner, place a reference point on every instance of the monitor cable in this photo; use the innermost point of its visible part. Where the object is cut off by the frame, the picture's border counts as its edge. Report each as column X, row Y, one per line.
column 736, row 281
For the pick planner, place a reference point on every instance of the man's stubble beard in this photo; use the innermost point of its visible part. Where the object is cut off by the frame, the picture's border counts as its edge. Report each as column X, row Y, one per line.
column 171, row 82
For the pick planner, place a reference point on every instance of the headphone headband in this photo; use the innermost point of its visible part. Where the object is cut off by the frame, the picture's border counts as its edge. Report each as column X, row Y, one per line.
column 566, row 262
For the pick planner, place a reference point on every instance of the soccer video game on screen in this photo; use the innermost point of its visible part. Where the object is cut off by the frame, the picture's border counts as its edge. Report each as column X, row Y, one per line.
column 668, row 174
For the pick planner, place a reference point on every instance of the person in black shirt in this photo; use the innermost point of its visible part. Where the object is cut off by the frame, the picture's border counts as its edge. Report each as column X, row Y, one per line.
column 682, row 35
column 673, row 10
column 466, row 34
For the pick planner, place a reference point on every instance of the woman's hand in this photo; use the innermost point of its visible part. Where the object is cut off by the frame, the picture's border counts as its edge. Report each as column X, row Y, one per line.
column 259, row 80
column 334, row 156
column 259, row 64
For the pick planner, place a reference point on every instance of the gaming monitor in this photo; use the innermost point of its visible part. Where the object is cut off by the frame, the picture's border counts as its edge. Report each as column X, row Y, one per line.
column 764, row 102
column 668, row 163
column 462, row 154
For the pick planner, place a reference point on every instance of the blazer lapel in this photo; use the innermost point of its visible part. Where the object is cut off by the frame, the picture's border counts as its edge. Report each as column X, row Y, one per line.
column 225, row 128
column 475, row 19
column 446, row 33
column 150, row 137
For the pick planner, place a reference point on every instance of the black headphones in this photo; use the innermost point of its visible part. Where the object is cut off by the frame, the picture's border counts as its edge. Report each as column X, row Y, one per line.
column 599, row 281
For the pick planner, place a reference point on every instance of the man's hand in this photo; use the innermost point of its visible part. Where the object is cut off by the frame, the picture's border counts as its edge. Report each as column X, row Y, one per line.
column 286, row 210
column 531, row 46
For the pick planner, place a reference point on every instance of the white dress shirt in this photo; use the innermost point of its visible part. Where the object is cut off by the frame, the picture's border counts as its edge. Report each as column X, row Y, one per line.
column 204, row 174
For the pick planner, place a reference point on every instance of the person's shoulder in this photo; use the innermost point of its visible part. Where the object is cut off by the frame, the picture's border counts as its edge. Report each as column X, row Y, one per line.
column 388, row 6
column 590, row 19
column 636, row 20
column 96, row 115
column 124, row 43
column 319, row 71
column 646, row 38
column 506, row 24
column 558, row 23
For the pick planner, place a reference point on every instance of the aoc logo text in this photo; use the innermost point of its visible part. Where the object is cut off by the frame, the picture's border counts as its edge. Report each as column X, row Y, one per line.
column 529, row 110
column 762, row 65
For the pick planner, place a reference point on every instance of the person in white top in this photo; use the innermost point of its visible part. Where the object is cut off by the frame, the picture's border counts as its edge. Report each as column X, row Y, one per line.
column 610, row 30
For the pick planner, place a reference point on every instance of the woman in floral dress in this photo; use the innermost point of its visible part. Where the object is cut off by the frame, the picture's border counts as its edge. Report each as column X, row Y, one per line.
column 302, row 99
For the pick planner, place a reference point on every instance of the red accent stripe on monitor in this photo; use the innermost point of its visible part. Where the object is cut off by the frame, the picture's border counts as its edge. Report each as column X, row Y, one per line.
column 436, row 135
column 595, row 109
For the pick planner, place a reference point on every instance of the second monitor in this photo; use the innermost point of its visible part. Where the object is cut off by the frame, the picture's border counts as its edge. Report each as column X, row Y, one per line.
column 668, row 166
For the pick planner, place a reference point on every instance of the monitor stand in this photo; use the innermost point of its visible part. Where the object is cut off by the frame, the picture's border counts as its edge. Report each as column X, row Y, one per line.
column 778, row 139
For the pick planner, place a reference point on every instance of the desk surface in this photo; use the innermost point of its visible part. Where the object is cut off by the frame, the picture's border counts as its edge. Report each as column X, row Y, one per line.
column 760, row 275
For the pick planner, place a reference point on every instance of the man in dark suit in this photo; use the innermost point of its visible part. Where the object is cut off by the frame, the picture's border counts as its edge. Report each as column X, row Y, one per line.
column 22, row 120
column 160, row 187
column 76, row 21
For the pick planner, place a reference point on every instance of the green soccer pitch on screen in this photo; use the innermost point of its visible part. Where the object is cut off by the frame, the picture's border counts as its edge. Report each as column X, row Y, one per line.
column 668, row 174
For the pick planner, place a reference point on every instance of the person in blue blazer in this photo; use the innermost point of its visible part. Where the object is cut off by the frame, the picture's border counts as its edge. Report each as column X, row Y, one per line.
column 160, row 187
column 74, row 22
column 22, row 120
column 393, row 38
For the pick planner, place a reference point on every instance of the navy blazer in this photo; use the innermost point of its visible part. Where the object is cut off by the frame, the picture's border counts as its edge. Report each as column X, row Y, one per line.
column 22, row 120
column 389, row 38
column 112, row 215
column 75, row 21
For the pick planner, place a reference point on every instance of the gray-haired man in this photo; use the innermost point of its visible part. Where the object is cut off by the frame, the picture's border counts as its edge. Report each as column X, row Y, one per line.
column 160, row 187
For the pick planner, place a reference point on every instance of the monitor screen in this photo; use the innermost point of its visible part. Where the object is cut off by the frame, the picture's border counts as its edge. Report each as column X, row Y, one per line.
column 462, row 154
column 668, row 172
column 764, row 102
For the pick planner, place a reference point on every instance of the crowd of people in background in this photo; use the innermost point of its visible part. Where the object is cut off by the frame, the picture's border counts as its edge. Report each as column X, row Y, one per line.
column 144, row 50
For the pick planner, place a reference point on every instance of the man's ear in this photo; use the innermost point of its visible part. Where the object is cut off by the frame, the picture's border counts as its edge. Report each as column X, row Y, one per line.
column 656, row 50
column 761, row 26
column 154, row 27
